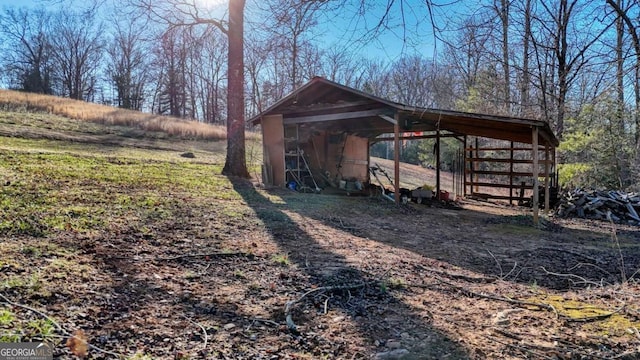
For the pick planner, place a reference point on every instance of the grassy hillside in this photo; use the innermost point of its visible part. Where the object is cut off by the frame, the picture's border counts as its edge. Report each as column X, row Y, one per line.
column 107, row 115
column 130, row 240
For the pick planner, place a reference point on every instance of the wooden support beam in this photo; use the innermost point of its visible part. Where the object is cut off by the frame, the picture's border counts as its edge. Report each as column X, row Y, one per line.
column 438, row 164
column 554, row 168
column 464, row 167
column 476, row 156
column 502, row 160
column 395, row 121
column 333, row 117
column 515, row 148
column 536, row 171
column 506, row 173
column 420, row 137
column 511, row 175
column 501, row 186
column 546, row 179
column 396, row 159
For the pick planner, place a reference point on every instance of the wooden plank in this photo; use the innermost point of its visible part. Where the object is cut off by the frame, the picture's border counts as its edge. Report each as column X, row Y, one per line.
column 332, row 117
column 464, row 166
column 273, row 139
column 502, row 160
column 328, row 107
column 379, row 139
column 395, row 121
column 438, row 164
column 536, row 170
column 498, row 185
column 498, row 197
column 511, row 174
column 506, row 173
column 505, row 149
column 546, row 180
column 477, row 155
column 396, row 159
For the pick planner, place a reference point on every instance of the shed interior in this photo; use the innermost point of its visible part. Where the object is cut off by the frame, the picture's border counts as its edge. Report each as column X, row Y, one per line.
column 320, row 135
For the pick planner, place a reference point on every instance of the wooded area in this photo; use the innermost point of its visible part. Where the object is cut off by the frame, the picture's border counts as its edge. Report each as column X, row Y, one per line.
column 573, row 64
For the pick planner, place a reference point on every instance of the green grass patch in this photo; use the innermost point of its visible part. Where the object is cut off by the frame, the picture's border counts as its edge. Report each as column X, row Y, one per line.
column 281, row 259
column 52, row 192
column 605, row 322
column 6, row 317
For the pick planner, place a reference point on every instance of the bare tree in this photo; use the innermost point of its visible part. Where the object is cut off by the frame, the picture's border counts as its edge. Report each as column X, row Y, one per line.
column 77, row 49
column 291, row 20
column 467, row 50
column 557, row 36
column 501, row 7
column 27, row 55
column 339, row 65
column 187, row 13
column 171, row 59
column 632, row 28
column 127, row 64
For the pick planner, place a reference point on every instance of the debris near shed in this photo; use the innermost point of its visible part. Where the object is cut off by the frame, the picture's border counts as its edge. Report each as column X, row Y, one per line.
column 617, row 206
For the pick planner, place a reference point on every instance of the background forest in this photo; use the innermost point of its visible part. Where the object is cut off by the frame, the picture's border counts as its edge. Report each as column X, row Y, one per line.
column 575, row 64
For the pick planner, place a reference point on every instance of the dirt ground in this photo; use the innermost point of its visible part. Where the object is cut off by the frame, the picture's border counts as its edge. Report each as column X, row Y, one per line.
column 362, row 279
column 230, row 270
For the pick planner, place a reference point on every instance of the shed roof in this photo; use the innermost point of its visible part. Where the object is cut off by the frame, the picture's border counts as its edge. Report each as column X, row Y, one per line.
column 322, row 103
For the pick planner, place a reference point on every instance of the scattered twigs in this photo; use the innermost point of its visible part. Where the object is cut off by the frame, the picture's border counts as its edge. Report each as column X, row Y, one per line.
column 571, row 277
column 266, row 321
column 57, row 325
column 616, row 242
column 471, row 293
column 574, row 253
column 508, row 334
column 578, row 265
column 497, row 263
column 471, row 279
column 219, row 254
column 204, row 331
column 634, row 354
column 35, row 311
column 288, row 308
column 522, row 348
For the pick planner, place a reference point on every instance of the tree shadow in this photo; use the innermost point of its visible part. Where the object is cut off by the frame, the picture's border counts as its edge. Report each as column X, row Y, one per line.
column 364, row 299
column 506, row 247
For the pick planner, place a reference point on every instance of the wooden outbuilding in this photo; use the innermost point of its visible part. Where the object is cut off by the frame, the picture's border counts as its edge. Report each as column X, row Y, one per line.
column 323, row 130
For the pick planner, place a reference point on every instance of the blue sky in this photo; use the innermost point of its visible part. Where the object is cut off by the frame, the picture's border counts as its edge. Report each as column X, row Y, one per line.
column 341, row 30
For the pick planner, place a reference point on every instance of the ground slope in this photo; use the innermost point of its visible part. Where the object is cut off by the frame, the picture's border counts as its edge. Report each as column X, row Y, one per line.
column 152, row 254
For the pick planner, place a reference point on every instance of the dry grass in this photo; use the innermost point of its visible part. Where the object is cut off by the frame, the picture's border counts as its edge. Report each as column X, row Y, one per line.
column 102, row 114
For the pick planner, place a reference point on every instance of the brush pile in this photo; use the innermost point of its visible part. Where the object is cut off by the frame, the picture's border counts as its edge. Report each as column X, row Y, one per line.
column 616, row 206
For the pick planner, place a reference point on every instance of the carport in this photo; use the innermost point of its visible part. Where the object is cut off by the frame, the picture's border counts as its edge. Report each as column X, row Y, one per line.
column 326, row 128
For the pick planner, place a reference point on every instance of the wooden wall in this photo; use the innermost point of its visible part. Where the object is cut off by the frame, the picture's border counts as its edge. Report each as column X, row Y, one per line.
column 273, row 153
column 352, row 152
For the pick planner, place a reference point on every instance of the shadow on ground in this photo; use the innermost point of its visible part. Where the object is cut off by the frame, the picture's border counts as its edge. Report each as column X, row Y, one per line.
column 376, row 314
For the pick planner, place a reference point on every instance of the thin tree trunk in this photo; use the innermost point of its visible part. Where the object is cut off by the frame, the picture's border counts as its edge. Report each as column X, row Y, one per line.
column 524, row 92
column 503, row 11
column 620, row 66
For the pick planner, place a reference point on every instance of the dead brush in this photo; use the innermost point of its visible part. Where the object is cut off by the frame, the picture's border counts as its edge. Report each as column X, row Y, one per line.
column 102, row 114
column 616, row 243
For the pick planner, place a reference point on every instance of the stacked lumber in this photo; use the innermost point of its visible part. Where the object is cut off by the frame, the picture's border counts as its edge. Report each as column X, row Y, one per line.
column 617, row 206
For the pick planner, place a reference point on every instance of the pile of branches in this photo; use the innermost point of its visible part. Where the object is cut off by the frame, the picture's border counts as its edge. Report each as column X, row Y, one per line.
column 617, row 206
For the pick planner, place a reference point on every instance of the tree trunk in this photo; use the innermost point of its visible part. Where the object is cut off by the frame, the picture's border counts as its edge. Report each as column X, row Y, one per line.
column 635, row 38
column 235, row 164
column 561, row 49
column 620, row 67
column 503, row 12
column 526, row 105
